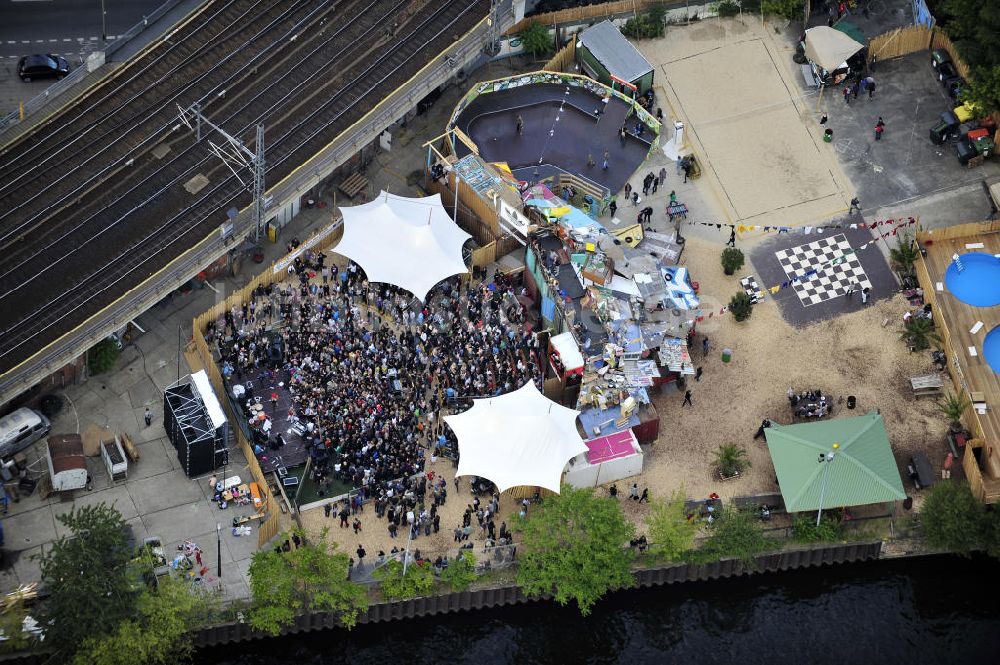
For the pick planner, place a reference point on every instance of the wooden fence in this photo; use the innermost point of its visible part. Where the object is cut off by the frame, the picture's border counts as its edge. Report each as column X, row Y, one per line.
column 899, row 42
column 563, row 59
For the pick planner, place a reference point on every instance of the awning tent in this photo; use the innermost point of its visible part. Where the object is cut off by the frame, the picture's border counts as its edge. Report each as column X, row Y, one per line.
column 862, row 469
column 829, row 48
column 409, row 242
column 516, row 440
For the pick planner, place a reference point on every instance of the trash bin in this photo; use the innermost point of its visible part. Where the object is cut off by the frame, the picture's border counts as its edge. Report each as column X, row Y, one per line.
column 727, row 355
column 939, row 133
column 828, row 135
column 852, row 401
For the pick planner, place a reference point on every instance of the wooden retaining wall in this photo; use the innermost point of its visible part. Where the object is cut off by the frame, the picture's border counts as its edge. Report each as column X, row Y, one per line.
column 512, row 595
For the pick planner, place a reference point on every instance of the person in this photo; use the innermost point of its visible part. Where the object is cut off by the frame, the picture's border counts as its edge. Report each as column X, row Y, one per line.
column 613, row 207
column 907, row 315
column 604, row 164
column 697, row 374
column 628, row 190
column 847, row 95
column 148, row 417
column 520, row 125
column 855, row 203
column 633, row 492
column 687, row 400
column 865, row 295
column 760, row 430
column 705, row 344
column 635, row 198
column 645, row 495
column 879, row 127
column 732, row 237
column 613, row 491
column 680, row 164
column 621, row 135
column 870, row 84
column 673, row 197
column 687, row 169
column 590, row 159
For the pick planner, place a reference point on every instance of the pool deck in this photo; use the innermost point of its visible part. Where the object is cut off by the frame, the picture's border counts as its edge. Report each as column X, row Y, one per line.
column 954, row 320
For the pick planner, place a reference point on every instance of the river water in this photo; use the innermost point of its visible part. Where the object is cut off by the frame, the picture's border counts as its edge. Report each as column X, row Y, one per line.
column 920, row 611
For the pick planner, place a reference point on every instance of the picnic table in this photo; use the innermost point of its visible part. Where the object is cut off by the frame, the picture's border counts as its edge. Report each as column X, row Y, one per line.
column 677, row 210
column 926, row 384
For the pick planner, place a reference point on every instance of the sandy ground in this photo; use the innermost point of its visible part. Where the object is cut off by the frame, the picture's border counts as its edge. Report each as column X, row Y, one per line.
column 852, row 354
column 749, row 118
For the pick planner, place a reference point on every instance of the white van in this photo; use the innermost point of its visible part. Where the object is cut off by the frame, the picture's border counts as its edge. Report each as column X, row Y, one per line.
column 20, row 429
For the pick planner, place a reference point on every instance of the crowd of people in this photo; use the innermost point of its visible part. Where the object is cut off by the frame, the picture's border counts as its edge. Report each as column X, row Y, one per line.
column 367, row 370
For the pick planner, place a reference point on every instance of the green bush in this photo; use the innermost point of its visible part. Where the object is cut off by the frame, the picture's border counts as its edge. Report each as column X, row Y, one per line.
column 740, row 306
column 536, row 39
column 646, row 26
column 102, row 356
column 731, row 460
column 732, row 260
column 418, row 580
column 804, row 529
column 952, row 518
column 790, row 9
column 734, row 534
column 461, row 572
column 728, row 8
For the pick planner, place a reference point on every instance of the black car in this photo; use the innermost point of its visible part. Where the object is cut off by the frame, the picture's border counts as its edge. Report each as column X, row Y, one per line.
column 42, row 66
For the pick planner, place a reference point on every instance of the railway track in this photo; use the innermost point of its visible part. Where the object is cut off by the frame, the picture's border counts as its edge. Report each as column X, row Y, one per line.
column 121, row 232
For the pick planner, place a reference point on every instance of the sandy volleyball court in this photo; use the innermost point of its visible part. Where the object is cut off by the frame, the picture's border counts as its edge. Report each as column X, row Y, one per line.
column 748, row 118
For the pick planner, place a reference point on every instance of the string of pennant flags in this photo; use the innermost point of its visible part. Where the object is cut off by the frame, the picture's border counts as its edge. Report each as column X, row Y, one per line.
column 806, row 230
column 897, row 224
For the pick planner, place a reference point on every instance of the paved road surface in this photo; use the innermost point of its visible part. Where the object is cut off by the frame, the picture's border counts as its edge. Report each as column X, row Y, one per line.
column 62, row 26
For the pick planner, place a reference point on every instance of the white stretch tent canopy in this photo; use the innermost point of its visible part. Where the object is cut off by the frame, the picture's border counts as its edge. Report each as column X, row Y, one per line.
column 409, row 242
column 829, row 48
column 518, row 439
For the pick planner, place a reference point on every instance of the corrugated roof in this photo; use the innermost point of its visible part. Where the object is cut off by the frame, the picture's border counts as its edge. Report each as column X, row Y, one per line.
column 863, row 470
column 616, row 53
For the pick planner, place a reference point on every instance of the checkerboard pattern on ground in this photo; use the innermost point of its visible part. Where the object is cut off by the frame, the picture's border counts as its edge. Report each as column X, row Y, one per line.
column 751, row 288
column 832, row 280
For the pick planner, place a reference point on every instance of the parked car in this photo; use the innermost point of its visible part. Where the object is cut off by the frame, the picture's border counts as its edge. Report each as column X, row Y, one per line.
column 39, row 66
column 20, row 429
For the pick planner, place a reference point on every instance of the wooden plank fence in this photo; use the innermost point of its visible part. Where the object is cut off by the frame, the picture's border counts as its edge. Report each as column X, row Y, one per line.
column 564, row 58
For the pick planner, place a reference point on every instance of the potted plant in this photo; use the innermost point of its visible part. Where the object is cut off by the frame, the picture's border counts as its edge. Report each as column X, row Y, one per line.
column 732, row 260
column 740, row 306
column 918, row 333
column 731, row 461
column 904, row 255
column 953, row 406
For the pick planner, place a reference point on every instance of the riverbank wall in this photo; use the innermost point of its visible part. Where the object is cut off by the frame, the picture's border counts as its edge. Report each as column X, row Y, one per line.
column 486, row 598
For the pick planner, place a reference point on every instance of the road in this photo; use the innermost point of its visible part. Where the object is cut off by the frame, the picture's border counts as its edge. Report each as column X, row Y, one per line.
column 63, row 26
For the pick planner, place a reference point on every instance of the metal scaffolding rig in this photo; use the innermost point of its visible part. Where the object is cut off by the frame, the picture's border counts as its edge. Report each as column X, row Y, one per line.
column 238, row 157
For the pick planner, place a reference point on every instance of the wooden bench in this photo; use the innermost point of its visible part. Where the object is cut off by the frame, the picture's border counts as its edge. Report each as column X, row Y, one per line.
column 774, row 502
column 926, row 384
column 353, row 185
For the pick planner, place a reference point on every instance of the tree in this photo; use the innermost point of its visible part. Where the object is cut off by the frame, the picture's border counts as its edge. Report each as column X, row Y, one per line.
column 732, row 260
column 536, row 39
column 157, row 634
column 84, row 573
column 731, row 460
column 417, row 579
column 461, row 572
column 982, row 90
column 918, row 333
column 735, row 533
column 904, row 255
column 575, row 548
column 973, row 26
column 952, row 518
column 671, row 532
column 309, row 578
column 740, row 306
column 102, row 356
column 953, row 406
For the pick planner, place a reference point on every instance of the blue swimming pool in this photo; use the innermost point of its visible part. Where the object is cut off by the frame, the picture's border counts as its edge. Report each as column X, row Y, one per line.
column 977, row 283
column 991, row 349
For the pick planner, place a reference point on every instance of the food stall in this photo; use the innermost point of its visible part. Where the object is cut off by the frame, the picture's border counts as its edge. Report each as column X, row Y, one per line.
column 565, row 357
